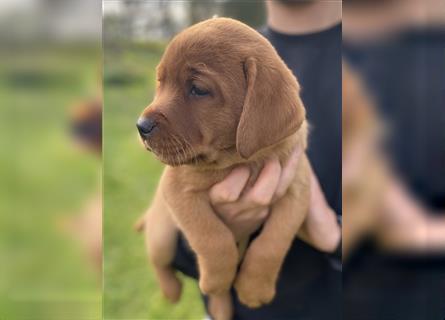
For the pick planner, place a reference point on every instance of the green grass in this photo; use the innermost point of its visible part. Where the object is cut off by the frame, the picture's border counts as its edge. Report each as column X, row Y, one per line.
column 130, row 179
column 44, row 179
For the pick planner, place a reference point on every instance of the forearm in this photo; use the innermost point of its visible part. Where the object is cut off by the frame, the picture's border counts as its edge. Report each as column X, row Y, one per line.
column 321, row 230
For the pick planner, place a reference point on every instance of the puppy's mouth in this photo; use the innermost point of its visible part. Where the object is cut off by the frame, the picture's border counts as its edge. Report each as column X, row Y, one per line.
column 175, row 154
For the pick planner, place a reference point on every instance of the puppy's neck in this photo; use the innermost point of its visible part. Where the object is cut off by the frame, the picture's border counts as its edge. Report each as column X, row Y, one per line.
column 281, row 150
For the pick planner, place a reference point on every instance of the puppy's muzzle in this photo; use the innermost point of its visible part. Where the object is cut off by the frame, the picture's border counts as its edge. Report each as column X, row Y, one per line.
column 146, row 127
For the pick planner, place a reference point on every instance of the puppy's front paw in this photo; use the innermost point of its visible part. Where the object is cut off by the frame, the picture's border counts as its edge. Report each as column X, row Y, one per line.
column 253, row 288
column 221, row 307
column 217, row 275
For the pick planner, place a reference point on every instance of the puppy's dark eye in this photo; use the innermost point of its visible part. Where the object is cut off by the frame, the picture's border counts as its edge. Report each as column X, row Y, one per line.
column 195, row 91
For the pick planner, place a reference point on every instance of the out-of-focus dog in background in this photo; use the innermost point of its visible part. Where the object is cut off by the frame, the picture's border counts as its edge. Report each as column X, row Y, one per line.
column 86, row 226
column 86, row 125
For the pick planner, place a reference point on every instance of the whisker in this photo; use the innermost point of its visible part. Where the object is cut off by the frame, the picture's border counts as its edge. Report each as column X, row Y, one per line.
column 185, row 148
column 175, row 145
column 181, row 149
column 192, row 152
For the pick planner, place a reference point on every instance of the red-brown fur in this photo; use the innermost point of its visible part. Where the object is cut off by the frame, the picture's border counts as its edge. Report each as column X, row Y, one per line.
column 253, row 112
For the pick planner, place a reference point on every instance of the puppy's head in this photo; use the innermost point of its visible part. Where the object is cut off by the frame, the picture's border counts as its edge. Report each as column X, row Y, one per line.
column 221, row 88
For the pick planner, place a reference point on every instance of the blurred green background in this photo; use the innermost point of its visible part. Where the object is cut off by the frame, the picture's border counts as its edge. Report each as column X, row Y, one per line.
column 44, row 181
column 130, row 178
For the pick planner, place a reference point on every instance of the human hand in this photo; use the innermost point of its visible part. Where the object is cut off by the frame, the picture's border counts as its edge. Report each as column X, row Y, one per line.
column 245, row 213
column 320, row 229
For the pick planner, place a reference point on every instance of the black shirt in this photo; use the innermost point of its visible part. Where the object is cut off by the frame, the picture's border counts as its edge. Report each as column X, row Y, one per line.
column 308, row 286
column 406, row 75
column 315, row 59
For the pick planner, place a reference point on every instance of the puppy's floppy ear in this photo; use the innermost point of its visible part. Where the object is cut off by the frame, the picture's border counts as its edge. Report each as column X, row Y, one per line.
column 272, row 108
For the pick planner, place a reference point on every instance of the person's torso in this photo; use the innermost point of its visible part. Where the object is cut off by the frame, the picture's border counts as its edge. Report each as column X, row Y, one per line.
column 407, row 78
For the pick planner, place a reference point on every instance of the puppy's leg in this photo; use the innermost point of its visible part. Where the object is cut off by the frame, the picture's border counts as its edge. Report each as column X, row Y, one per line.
column 220, row 306
column 209, row 238
column 160, row 239
column 255, row 283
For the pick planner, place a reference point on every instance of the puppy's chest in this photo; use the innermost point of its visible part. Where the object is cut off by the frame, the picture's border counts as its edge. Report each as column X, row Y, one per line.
column 203, row 181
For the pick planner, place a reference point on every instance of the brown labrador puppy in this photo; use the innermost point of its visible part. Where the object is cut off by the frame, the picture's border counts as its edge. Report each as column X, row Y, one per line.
column 224, row 97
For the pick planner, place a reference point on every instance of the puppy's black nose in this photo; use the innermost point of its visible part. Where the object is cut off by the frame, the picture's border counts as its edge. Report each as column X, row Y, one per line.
column 145, row 126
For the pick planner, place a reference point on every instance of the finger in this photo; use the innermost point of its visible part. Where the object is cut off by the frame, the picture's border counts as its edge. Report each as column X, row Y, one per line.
column 249, row 222
column 318, row 200
column 240, row 220
column 253, row 216
column 288, row 172
column 229, row 211
column 232, row 212
column 264, row 188
column 231, row 187
column 263, row 214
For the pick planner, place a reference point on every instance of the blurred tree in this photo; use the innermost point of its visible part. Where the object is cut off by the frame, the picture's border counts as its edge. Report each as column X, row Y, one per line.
column 250, row 12
column 131, row 9
column 161, row 19
column 200, row 10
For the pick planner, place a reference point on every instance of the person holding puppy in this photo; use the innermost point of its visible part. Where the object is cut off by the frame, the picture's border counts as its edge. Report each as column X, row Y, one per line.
column 307, row 35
